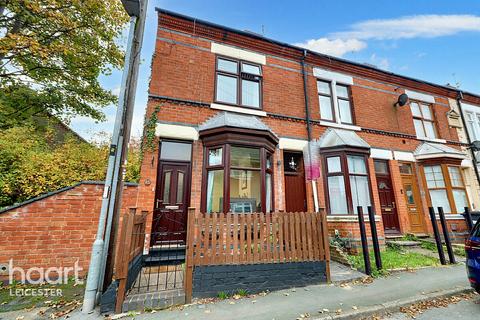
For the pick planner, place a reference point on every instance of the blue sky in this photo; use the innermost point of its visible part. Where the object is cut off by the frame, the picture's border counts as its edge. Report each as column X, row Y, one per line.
column 436, row 41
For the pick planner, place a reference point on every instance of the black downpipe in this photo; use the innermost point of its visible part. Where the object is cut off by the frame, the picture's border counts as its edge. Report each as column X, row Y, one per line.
column 305, row 93
column 469, row 141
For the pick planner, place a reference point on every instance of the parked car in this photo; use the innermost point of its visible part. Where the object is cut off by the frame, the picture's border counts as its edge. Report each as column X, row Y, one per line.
column 472, row 249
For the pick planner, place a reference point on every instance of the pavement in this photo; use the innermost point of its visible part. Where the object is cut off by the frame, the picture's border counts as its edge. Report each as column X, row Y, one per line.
column 334, row 301
column 467, row 310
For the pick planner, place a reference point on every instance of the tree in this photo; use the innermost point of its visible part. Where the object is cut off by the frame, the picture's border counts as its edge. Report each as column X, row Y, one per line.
column 33, row 163
column 52, row 53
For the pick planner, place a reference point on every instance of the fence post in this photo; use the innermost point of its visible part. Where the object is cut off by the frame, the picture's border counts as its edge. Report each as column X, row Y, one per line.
column 363, row 236
column 437, row 235
column 326, row 243
column 446, row 236
column 376, row 246
column 189, row 256
column 468, row 219
column 127, row 228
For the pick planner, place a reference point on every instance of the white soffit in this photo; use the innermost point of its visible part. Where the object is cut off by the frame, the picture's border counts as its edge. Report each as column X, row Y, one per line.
column 403, row 156
column 292, row 144
column 332, row 76
column 236, row 53
column 174, row 131
column 415, row 95
column 381, row 154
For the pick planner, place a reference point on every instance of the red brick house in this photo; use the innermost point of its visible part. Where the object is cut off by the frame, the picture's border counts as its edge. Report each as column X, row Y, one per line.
column 235, row 112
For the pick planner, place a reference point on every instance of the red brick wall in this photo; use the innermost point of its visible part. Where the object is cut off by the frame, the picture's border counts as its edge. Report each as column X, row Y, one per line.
column 55, row 231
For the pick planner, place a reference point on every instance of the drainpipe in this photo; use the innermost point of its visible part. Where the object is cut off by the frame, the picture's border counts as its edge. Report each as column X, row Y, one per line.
column 469, row 141
column 309, row 129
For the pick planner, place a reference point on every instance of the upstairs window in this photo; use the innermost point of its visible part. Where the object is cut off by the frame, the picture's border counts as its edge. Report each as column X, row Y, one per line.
column 238, row 83
column 473, row 124
column 423, row 120
column 334, row 100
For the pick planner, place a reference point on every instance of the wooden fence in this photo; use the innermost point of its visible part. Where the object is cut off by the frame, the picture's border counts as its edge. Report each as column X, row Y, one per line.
column 250, row 238
column 130, row 244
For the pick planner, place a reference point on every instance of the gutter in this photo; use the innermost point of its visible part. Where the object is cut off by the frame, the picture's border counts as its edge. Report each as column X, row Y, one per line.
column 469, row 140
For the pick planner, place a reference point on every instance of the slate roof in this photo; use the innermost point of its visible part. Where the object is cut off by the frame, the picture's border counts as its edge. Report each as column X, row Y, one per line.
column 338, row 137
column 228, row 119
column 436, row 150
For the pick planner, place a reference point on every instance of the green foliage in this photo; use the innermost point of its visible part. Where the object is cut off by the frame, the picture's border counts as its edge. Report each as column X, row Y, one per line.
column 149, row 134
column 242, row 292
column 222, row 295
column 409, row 237
column 393, row 259
column 31, row 163
column 53, row 52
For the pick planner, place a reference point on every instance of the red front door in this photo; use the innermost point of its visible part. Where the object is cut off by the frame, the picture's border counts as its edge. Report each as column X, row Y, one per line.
column 387, row 198
column 295, row 194
column 171, row 203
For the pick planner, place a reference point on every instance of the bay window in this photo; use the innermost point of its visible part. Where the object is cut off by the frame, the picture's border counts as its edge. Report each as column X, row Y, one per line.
column 238, row 83
column 446, row 188
column 347, row 182
column 238, row 179
column 423, row 120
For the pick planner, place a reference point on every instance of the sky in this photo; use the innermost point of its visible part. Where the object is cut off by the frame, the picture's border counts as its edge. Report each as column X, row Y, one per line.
column 432, row 40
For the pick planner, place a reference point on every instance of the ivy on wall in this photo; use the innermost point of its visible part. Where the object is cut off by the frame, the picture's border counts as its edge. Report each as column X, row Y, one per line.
column 149, row 139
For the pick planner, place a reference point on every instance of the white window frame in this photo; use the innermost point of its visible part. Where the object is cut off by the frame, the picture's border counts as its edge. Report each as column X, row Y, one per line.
column 473, row 119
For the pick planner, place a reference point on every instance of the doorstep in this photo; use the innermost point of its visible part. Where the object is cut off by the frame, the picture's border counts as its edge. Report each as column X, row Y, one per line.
column 154, row 300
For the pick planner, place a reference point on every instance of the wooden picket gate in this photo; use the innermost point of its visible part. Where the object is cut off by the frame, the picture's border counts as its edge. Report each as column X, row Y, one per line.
column 131, row 243
column 252, row 238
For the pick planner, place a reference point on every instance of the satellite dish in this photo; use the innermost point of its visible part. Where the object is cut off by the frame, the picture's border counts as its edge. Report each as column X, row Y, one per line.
column 402, row 100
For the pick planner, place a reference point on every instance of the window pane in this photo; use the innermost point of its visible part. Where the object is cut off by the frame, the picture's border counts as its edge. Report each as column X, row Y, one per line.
column 226, row 89
column 342, row 91
column 381, row 167
column 409, row 194
column 426, row 112
column 268, row 195
column 323, row 87
column 269, row 161
column 434, row 177
column 344, row 110
column 430, row 131
column 250, row 93
column 176, row 151
column 337, row 196
column 166, row 187
column 215, row 191
column 405, row 168
column 227, row 65
column 245, row 191
column 180, row 182
column 245, row 157
column 415, row 109
column 356, row 164
column 326, row 112
column 419, row 128
column 215, row 156
column 455, row 176
column 439, row 199
column 360, row 193
column 334, row 165
column 248, row 68
column 460, row 198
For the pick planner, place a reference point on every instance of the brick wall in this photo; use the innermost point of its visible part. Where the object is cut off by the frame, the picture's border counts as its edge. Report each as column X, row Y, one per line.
column 56, row 230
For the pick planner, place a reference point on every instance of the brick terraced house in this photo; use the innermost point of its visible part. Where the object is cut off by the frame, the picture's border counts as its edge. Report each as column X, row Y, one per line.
column 254, row 152
column 235, row 112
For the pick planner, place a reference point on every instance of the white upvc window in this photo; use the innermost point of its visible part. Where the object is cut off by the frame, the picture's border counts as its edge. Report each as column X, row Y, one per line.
column 473, row 125
column 335, row 103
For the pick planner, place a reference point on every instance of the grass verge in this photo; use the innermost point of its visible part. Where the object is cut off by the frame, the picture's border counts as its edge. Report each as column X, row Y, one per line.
column 9, row 301
column 393, row 258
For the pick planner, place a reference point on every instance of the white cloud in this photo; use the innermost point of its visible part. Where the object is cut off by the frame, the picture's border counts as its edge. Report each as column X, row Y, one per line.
column 424, row 26
column 116, row 91
column 334, row 47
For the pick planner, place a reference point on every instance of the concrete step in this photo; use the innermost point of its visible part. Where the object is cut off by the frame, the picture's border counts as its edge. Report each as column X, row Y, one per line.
column 405, row 243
